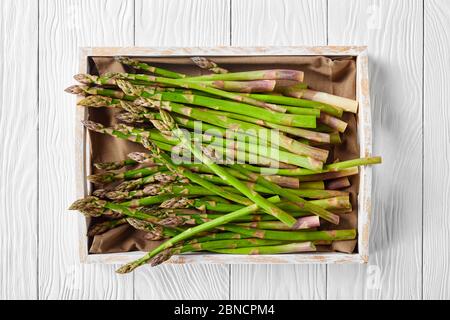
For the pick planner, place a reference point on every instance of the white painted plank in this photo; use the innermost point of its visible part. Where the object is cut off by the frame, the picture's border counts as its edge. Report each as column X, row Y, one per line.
column 182, row 282
column 64, row 26
column 182, row 23
column 18, row 149
column 274, row 22
column 436, row 224
column 393, row 32
column 278, row 22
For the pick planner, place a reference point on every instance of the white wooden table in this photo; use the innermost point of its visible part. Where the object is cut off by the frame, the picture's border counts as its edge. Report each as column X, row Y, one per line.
column 409, row 47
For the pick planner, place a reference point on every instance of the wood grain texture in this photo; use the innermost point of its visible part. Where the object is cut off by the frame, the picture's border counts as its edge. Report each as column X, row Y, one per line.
column 18, row 149
column 278, row 22
column 273, row 22
column 276, row 282
column 64, row 26
column 393, row 32
column 182, row 282
column 436, row 222
column 182, row 23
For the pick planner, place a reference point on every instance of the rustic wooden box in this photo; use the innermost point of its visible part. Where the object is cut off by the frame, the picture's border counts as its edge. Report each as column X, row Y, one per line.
column 364, row 139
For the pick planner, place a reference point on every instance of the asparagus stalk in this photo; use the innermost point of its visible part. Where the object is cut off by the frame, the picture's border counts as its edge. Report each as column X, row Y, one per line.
column 346, row 104
column 264, row 151
column 222, row 119
column 294, row 120
column 277, row 74
column 190, row 233
column 190, row 175
column 284, row 181
column 94, row 207
column 338, row 183
column 235, row 125
column 290, row 183
column 304, row 193
column 156, row 189
column 161, row 178
column 258, row 187
column 329, row 175
column 284, row 141
column 218, row 236
column 144, row 66
column 297, row 102
column 353, row 163
column 120, row 133
column 303, row 111
column 347, row 234
column 333, row 122
column 302, row 133
column 207, row 64
column 302, row 223
column 258, row 217
column 340, row 202
column 107, row 177
column 188, row 84
column 210, row 246
column 97, row 91
column 222, row 172
column 329, row 168
column 142, row 157
column 288, row 194
column 284, row 248
column 114, row 165
column 243, row 86
column 219, row 131
column 222, row 244
column 165, row 143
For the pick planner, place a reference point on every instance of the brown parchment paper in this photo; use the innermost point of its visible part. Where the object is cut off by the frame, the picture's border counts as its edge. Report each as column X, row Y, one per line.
column 336, row 75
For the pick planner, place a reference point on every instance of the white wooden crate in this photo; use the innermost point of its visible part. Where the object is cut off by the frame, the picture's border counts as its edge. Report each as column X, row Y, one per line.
column 364, row 140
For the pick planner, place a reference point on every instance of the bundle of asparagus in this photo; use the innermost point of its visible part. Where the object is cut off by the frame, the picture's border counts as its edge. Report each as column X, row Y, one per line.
column 236, row 162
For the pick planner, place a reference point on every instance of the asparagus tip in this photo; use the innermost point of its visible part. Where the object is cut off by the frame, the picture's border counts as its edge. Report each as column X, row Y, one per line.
column 149, row 144
column 127, row 268
column 100, row 193
column 160, row 257
column 89, row 206
column 128, row 185
column 100, row 178
column 128, row 88
column 75, row 89
column 95, row 101
column 126, row 60
column 139, row 224
column 140, row 157
column 145, row 102
column 85, row 78
column 130, row 118
column 165, row 178
column 133, row 108
column 152, row 189
column 202, row 62
column 91, row 125
column 116, row 195
column 177, row 202
column 108, row 165
column 172, row 222
column 205, row 63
